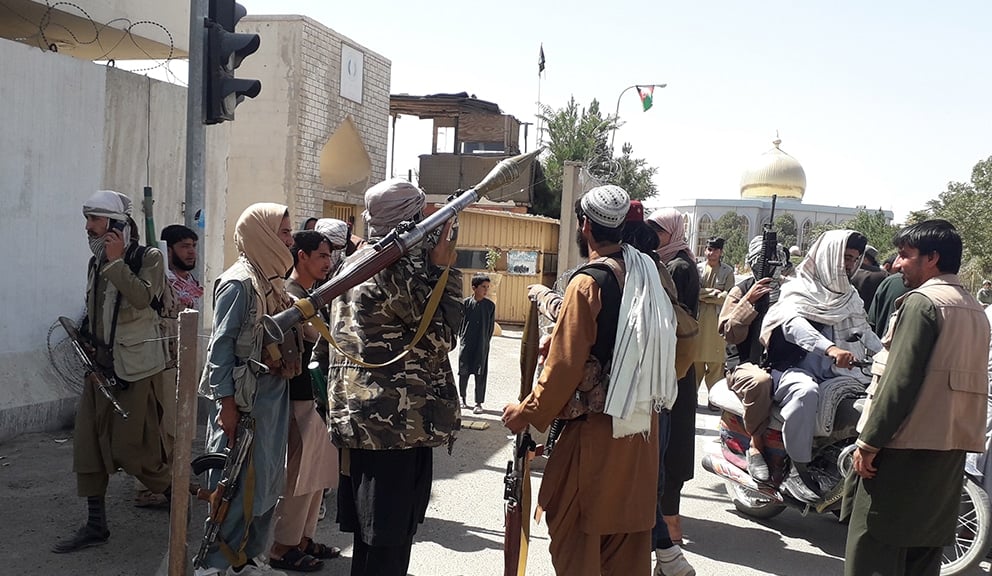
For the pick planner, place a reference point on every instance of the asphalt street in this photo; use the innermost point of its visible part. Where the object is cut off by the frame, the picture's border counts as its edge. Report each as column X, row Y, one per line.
column 463, row 533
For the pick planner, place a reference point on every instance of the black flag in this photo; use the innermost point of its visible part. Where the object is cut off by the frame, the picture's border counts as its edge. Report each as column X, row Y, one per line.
column 540, row 61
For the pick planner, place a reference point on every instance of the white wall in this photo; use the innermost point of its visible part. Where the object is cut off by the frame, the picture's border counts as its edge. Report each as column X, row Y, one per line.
column 70, row 127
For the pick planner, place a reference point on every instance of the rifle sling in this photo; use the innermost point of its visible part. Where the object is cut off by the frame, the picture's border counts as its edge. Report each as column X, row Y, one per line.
column 306, row 308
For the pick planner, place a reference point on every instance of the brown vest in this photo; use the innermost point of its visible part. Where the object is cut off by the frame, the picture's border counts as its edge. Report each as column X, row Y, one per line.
column 950, row 410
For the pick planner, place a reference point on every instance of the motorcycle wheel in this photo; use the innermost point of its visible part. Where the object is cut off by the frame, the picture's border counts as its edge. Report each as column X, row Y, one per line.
column 971, row 539
column 751, row 503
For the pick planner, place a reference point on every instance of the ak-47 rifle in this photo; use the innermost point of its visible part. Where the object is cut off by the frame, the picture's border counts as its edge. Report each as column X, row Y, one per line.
column 517, row 480
column 105, row 383
column 391, row 248
column 232, row 460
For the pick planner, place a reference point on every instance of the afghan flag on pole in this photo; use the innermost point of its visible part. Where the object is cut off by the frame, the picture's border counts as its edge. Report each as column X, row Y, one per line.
column 647, row 96
column 540, row 60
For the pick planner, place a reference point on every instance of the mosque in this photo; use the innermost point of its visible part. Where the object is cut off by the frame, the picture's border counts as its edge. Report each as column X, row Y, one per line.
column 774, row 173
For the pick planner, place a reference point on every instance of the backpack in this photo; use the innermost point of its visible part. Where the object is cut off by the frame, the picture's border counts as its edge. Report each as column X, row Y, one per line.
column 167, row 305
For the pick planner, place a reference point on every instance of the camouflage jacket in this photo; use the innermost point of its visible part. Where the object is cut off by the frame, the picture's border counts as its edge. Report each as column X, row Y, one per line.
column 412, row 402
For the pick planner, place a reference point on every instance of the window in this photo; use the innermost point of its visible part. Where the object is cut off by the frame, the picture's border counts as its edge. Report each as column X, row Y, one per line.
column 703, row 233
column 472, row 259
column 746, row 227
column 805, row 240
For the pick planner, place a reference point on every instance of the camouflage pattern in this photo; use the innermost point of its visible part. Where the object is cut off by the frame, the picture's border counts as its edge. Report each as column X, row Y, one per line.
column 413, row 402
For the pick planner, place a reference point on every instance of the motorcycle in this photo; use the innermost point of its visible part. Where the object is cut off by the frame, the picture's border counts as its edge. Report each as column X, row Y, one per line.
column 833, row 460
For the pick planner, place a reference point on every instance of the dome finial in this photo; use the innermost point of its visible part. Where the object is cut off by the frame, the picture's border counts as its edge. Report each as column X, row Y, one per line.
column 777, row 141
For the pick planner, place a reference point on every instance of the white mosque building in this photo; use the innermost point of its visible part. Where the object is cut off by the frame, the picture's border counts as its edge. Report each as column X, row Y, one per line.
column 774, row 173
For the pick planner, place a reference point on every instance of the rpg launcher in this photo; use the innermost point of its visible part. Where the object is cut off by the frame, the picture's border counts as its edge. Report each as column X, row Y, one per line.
column 391, row 248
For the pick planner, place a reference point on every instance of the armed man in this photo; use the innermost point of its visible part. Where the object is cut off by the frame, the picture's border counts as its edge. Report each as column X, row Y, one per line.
column 925, row 412
column 715, row 281
column 248, row 385
column 122, row 327
column 601, row 510
column 392, row 394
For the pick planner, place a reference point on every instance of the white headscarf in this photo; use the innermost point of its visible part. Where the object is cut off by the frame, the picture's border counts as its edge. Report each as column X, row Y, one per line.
column 821, row 292
column 336, row 232
column 112, row 205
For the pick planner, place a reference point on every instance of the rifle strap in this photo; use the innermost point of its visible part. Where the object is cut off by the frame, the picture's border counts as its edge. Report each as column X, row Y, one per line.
column 239, row 558
column 307, row 309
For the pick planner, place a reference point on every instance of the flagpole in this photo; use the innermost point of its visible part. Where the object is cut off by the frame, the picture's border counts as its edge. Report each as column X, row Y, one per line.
column 616, row 115
column 540, row 73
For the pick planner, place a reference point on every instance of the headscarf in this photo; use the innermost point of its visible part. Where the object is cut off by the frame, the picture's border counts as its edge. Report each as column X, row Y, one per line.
column 821, row 292
column 256, row 235
column 670, row 220
column 756, row 248
column 390, row 202
column 336, row 232
column 112, row 205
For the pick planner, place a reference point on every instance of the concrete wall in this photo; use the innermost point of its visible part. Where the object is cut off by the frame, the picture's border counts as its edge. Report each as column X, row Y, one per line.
column 71, row 127
column 278, row 137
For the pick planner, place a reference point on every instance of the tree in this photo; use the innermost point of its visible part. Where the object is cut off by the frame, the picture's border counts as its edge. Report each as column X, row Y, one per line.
column 733, row 229
column 582, row 135
column 633, row 175
column 575, row 134
column 968, row 205
column 878, row 231
column 788, row 231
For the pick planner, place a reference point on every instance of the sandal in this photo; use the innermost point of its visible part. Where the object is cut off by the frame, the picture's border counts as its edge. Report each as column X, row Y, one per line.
column 318, row 550
column 85, row 537
column 296, row 560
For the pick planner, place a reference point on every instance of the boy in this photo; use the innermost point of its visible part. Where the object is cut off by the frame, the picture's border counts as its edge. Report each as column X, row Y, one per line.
column 477, row 329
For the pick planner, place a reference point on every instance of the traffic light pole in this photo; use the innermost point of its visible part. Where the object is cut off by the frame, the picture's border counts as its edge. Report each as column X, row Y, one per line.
column 196, row 132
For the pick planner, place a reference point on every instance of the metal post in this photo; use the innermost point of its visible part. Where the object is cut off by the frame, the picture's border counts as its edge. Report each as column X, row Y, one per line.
column 196, row 134
column 616, row 115
column 392, row 152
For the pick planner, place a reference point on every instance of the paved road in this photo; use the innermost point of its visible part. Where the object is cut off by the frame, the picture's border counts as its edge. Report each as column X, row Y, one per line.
column 462, row 535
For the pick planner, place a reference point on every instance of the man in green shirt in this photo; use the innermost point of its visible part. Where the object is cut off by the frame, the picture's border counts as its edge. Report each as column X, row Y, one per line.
column 925, row 412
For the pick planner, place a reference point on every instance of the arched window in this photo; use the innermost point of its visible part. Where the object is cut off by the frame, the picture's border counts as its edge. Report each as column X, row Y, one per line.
column 805, row 240
column 746, row 227
column 703, row 233
column 686, row 227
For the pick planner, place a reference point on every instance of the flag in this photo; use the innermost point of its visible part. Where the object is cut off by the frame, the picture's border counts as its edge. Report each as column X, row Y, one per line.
column 647, row 96
column 540, row 61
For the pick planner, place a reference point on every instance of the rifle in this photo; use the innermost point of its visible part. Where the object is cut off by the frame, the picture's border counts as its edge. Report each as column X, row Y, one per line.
column 94, row 375
column 391, row 248
column 232, row 460
column 770, row 263
column 516, row 492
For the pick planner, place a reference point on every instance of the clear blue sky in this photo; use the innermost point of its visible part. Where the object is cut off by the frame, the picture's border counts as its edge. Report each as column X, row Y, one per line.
column 883, row 102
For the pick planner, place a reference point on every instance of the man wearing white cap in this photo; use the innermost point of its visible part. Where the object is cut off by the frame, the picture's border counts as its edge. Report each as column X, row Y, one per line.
column 122, row 286
column 615, row 331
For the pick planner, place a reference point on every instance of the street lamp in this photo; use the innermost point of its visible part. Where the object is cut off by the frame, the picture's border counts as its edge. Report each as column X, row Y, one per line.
column 616, row 114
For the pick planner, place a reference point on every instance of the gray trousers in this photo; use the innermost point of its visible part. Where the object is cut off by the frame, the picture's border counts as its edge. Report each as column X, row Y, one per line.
column 798, row 393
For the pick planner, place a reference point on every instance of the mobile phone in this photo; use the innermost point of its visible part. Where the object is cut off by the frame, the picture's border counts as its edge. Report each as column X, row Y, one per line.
column 118, row 225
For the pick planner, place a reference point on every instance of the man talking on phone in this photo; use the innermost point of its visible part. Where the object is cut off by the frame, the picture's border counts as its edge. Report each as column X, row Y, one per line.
column 123, row 284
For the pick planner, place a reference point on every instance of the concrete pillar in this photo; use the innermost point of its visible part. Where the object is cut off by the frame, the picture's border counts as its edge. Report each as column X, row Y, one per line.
column 571, row 189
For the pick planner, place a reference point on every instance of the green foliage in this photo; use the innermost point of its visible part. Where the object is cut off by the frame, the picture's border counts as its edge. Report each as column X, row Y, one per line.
column 492, row 258
column 968, row 205
column 788, row 231
column 733, row 229
column 577, row 134
column 870, row 223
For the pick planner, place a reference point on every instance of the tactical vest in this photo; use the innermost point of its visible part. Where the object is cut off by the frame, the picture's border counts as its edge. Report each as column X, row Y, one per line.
column 247, row 347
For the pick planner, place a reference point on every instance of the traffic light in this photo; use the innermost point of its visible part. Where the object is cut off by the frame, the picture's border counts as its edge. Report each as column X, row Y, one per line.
column 224, row 52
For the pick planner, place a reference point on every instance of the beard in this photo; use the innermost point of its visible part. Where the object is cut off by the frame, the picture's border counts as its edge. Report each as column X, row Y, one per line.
column 582, row 243
column 180, row 265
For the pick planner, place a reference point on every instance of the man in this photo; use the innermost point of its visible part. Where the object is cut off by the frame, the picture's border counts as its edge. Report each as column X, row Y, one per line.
column 243, row 377
column 927, row 410
column 127, row 346
column 985, row 294
column 180, row 244
column 867, row 278
column 813, row 333
column 600, row 486
column 393, row 397
column 884, row 302
column 338, row 233
column 740, row 325
column 478, row 323
column 311, row 460
column 715, row 280
column 310, row 224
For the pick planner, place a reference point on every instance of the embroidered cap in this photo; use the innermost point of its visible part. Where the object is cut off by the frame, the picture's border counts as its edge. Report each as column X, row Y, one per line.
column 606, row 205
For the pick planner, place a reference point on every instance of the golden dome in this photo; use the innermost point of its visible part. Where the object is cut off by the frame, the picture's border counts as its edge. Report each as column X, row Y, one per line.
column 774, row 173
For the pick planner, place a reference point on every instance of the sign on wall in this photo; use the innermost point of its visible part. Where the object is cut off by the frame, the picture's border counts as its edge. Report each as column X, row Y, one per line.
column 521, row 262
column 352, row 72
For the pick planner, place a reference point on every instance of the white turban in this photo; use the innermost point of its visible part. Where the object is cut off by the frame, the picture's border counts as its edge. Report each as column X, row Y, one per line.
column 109, row 204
